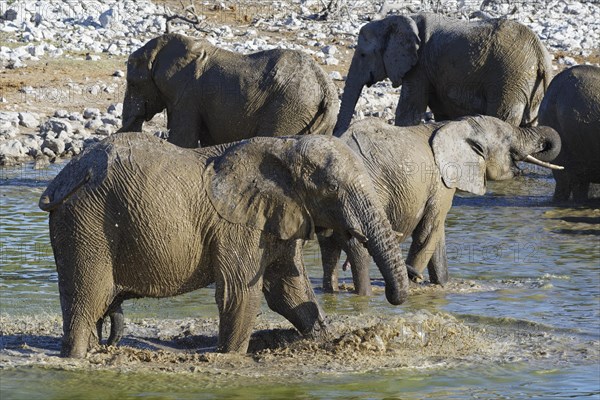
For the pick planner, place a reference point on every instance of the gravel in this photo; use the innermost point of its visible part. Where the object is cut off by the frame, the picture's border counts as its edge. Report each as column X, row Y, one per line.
column 101, row 29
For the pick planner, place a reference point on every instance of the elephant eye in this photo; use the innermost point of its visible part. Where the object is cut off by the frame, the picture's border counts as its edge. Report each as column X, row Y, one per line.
column 333, row 187
column 476, row 147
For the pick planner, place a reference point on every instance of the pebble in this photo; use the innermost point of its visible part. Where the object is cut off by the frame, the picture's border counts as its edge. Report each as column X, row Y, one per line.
column 116, row 28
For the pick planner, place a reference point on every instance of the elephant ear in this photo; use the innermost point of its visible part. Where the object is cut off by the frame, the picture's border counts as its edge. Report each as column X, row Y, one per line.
column 252, row 184
column 459, row 157
column 401, row 46
column 140, row 62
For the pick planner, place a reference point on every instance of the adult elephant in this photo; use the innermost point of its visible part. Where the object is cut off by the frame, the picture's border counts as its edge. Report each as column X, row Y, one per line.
column 572, row 107
column 215, row 96
column 416, row 171
column 134, row 216
column 496, row 67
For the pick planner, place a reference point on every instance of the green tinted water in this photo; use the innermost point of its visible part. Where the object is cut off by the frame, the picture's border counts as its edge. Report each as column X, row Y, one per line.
column 537, row 267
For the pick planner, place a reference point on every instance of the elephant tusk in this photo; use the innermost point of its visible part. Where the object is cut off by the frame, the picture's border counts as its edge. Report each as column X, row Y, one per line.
column 355, row 233
column 533, row 160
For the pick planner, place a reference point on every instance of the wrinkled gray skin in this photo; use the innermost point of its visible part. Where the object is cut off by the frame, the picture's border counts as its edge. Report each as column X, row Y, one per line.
column 215, row 96
column 135, row 216
column 572, row 107
column 416, row 171
column 496, row 67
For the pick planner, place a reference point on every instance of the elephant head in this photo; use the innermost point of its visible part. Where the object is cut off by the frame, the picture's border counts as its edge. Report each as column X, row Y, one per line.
column 469, row 150
column 387, row 48
column 291, row 187
column 142, row 96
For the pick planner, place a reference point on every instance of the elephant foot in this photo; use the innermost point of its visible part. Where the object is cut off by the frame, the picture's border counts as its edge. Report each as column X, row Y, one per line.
column 413, row 275
column 346, row 266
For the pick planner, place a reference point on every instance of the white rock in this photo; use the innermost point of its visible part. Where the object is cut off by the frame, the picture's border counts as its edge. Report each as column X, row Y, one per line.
column 56, row 125
column 115, row 109
column 56, row 145
column 12, row 149
column 106, row 18
column 90, row 112
column 331, row 61
column 329, row 50
column 336, row 76
column 28, row 120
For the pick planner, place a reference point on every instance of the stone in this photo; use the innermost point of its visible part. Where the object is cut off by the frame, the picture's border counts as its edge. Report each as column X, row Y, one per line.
column 28, row 120
column 90, row 113
column 56, row 125
column 12, row 149
column 336, row 76
column 115, row 109
column 10, row 15
column 329, row 50
column 61, row 113
column 105, row 130
column 111, row 120
column 106, row 18
column 56, row 145
column 118, row 73
column 331, row 61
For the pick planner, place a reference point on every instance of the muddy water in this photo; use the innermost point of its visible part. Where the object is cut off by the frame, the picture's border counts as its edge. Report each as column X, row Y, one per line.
column 519, row 319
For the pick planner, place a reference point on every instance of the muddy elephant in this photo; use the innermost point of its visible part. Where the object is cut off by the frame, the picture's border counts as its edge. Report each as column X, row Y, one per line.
column 215, row 96
column 416, row 171
column 496, row 67
column 572, row 107
column 135, row 216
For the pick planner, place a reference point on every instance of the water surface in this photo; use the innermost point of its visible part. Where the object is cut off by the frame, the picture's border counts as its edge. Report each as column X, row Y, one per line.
column 522, row 269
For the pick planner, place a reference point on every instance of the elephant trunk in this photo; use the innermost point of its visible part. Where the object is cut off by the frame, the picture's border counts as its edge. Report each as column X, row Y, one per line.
column 546, row 141
column 133, row 114
column 383, row 245
column 352, row 90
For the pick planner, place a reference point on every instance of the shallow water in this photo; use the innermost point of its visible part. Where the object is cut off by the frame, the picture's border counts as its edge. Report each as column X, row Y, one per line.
column 525, row 289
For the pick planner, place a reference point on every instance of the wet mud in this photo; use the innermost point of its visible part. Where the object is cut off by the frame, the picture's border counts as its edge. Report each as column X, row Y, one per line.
column 355, row 343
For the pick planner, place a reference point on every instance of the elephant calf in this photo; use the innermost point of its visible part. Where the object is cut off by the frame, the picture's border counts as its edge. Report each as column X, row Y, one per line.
column 572, row 107
column 135, row 216
column 215, row 96
column 416, row 171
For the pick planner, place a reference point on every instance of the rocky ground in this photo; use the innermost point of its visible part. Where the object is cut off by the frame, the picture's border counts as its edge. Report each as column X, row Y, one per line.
column 62, row 76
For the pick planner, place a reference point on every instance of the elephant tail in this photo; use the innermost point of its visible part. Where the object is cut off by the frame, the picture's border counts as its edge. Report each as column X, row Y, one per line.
column 88, row 169
column 544, row 76
column 324, row 119
column 60, row 189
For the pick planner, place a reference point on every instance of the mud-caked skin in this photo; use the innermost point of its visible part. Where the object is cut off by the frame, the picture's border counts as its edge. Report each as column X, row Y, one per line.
column 215, row 96
column 572, row 107
column 495, row 67
column 135, row 216
column 416, row 171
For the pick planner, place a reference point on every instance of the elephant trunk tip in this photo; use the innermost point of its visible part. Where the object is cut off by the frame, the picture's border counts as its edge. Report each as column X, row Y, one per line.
column 395, row 297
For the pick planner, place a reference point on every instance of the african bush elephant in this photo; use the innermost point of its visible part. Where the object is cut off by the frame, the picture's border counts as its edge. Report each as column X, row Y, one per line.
column 572, row 107
column 495, row 67
column 215, row 96
column 135, row 216
column 416, row 171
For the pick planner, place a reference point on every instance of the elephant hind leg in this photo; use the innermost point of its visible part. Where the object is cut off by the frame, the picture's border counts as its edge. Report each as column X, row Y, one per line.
column 82, row 307
column 330, row 256
column 117, row 323
column 438, row 264
column 360, row 261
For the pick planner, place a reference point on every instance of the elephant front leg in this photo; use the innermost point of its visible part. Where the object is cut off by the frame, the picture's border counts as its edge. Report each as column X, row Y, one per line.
column 288, row 292
column 238, row 306
column 414, row 97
